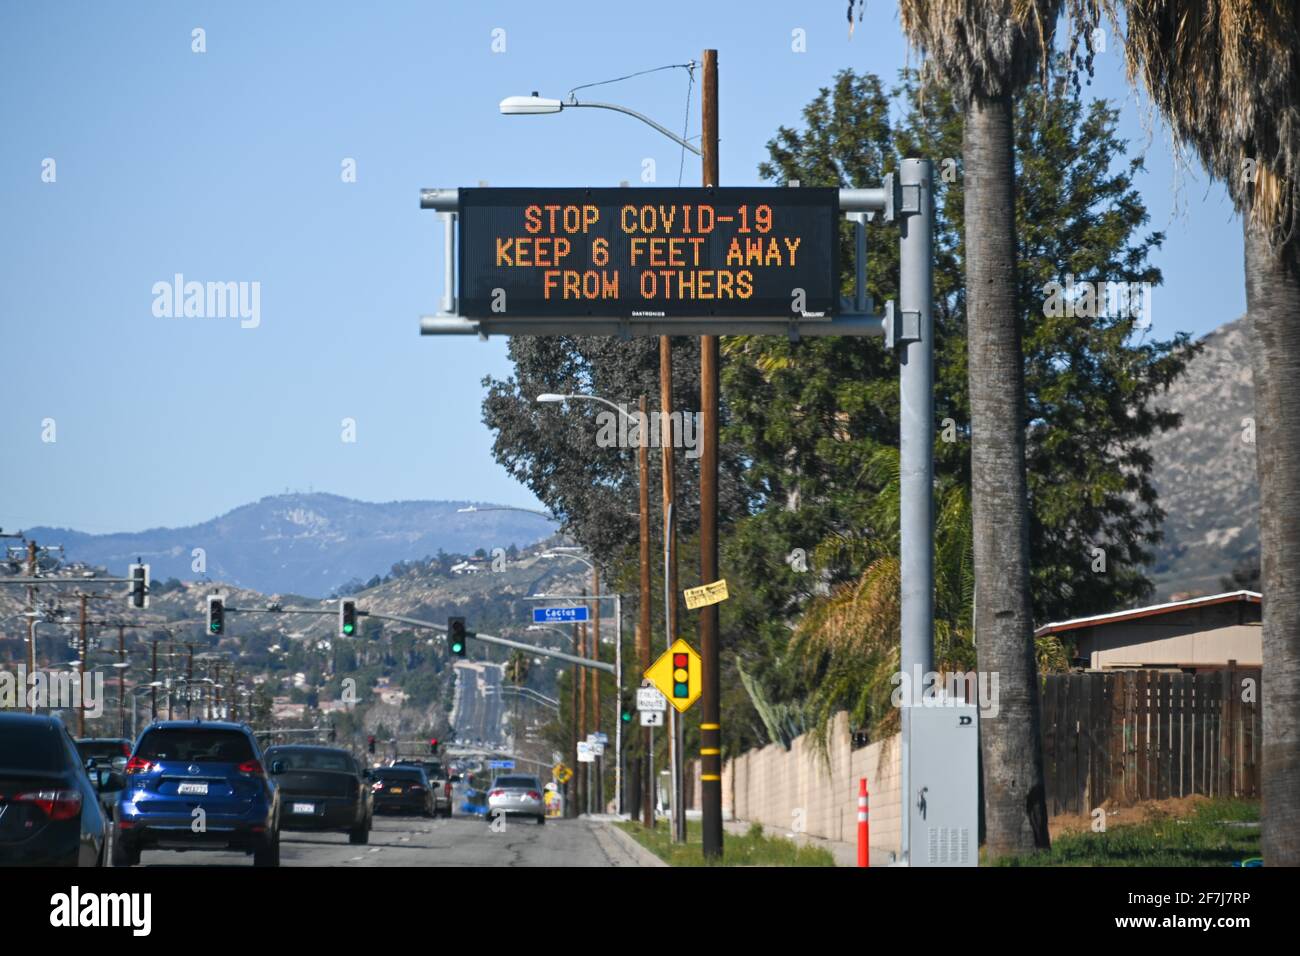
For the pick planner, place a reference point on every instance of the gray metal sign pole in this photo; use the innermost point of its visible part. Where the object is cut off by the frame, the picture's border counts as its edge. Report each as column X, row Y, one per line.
column 914, row 336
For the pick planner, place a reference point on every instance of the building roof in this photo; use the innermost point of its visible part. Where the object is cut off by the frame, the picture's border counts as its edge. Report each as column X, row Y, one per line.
column 1228, row 597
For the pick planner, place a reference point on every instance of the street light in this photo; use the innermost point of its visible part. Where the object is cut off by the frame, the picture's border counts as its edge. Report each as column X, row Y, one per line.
column 550, row 397
column 472, row 509
column 542, row 627
column 536, row 105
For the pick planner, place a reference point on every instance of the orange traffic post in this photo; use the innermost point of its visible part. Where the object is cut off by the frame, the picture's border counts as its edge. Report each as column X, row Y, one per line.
column 864, row 854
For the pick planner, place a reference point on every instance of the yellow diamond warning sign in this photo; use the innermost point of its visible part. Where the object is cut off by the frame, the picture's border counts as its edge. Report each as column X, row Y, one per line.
column 678, row 674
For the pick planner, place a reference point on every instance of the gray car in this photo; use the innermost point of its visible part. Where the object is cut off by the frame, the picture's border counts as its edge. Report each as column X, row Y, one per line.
column 516, row 795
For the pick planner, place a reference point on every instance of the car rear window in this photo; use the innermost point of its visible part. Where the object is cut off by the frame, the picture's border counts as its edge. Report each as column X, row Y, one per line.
column 311, row 760
column 432, row 769
column 521, row 782
column 101, row 748
column 198, row 744
column 397, row 773
column 31, row 747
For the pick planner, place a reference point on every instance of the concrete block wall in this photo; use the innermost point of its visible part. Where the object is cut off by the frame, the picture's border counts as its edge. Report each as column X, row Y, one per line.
column 801, row 790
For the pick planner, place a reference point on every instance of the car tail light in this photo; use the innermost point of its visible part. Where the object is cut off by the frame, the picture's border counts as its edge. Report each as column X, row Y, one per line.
column 446, row 788
column 57, row 804
column 497, row 793
column 138, row 765
column 252, row 767
column 415, row 787
column 534, row 795
column 126, row 750
column 377, row 786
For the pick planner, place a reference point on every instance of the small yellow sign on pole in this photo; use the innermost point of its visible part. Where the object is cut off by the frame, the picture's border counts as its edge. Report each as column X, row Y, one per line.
column 678, row 674
column 561, row 773
column 707, row 594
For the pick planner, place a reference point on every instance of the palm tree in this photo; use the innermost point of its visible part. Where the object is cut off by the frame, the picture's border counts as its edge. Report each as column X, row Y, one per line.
column 1224, row 75
column 517, row 667
column 849, row 638
column 987, row 51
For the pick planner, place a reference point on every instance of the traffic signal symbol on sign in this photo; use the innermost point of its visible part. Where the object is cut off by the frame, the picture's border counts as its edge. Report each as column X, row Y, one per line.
column 678, row 675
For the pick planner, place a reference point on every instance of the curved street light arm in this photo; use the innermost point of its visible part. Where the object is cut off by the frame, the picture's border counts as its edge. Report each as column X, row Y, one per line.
column 642, row 117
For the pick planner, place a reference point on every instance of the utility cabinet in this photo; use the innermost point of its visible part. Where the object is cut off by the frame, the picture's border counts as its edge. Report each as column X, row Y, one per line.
column 942, row 783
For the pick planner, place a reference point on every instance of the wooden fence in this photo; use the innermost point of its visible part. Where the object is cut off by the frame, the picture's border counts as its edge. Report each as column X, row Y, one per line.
column 1124, row 736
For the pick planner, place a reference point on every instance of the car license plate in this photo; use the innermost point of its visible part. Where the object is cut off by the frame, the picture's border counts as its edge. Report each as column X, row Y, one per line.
column 395, row 790
column 304, row 808
column 196, row 788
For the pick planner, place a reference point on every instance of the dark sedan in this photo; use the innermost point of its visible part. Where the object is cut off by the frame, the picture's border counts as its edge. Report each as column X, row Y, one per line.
column 403, row 790
column 322, row 788
column 49, row 810
column 105, row 751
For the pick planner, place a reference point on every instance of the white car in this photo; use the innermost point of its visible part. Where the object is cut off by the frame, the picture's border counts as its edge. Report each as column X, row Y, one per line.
column 516, row 795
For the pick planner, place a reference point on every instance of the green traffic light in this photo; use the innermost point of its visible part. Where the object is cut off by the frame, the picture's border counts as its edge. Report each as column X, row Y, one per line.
column 458, row 647
column 215, row 626
column 347, row 628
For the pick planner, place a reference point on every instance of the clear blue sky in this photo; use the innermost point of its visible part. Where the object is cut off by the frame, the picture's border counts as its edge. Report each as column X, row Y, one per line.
column 225, row 166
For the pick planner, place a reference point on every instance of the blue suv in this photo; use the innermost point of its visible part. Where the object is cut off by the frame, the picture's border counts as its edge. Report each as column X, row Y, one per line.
column 194, row 785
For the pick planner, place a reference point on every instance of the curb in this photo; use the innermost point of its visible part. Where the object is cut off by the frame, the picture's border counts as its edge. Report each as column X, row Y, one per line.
column 642, row 856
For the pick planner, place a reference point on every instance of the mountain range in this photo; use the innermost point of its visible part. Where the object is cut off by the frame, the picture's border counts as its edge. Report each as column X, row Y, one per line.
column 313, row 544
column 1204, row 471
column 309, row 544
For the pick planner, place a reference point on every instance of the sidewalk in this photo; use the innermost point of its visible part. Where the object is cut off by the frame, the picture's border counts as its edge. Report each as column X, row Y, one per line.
column 846, row 854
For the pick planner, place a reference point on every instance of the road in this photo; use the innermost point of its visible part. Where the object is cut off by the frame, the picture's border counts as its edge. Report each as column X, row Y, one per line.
column 416, row 841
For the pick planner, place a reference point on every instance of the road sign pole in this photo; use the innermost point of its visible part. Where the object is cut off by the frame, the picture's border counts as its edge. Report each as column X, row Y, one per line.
column 618, row 697
column 710, row 726
column 916, row 433
column 670, row 627
column 644, row 609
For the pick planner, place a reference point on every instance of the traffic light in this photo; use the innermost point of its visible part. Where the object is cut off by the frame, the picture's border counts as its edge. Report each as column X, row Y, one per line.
column 216, row 614
column 681, row 675
column 139, row 593
column 433, row 745
column 456, row 635
column 625, row 709
column 347, row 618
column 370, row 743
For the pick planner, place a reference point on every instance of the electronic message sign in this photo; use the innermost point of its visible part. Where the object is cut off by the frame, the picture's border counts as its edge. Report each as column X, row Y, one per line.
column 766, row 252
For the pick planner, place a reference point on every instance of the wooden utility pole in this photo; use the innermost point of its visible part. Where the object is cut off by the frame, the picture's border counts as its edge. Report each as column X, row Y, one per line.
column 583, row 768
column 189, row 682
column 81, row 669
column 31, row 624
column 153, row 682
column 643, row 628
column 710, row 726
column 670, row 549
column 121, row 680
column 576, row 780
column 214, row 697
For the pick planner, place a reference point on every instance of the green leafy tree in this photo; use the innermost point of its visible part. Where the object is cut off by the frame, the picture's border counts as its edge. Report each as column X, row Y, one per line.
column 819, row 419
